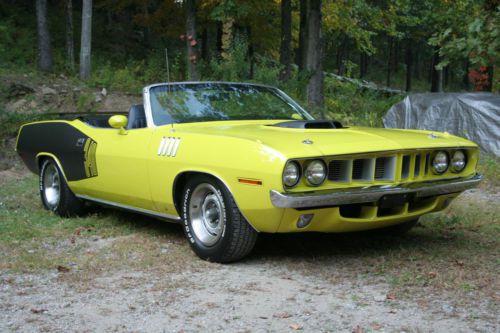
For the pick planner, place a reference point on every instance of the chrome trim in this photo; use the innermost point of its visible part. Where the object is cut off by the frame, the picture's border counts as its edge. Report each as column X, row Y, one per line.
column 131, row 208
column 176, row 147
column 160, row 147
column 168, row 146
column 171, row 143
column 369, row 193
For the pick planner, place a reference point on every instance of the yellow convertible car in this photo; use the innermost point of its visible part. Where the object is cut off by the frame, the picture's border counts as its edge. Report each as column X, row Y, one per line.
column 230, row 160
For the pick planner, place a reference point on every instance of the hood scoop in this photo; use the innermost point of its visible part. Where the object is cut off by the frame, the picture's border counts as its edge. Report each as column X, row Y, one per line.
column 310, row 124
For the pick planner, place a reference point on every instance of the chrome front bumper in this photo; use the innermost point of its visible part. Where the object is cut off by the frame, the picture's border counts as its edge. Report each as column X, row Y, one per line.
column 370, row 193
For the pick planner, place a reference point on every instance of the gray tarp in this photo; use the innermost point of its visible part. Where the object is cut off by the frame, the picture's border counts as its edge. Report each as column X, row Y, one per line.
column 475, row 116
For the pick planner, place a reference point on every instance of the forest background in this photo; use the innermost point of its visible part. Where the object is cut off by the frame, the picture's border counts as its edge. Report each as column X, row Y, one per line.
column 348, row 60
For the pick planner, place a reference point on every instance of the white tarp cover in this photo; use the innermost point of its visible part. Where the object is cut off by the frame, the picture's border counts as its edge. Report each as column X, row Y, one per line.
column 475, row 116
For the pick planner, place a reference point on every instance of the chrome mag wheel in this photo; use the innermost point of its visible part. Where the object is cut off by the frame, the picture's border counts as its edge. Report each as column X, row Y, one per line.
column 207, row 214
column 51, row 186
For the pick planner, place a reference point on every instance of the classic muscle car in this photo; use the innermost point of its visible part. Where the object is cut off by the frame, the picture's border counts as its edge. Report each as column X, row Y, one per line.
column 230, row 160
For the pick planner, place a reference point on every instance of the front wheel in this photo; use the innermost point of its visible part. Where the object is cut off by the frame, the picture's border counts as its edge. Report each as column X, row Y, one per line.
column 213, row 224
column 55, row 193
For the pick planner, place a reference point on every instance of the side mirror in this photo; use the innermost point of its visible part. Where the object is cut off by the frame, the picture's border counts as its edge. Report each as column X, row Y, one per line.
column 118, row 122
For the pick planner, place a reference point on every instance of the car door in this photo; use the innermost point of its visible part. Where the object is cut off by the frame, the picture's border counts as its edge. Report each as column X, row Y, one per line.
column 122, row 168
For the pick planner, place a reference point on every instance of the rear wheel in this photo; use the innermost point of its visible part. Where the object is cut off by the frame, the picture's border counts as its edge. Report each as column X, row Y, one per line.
column 213, row 224
column 55, row 193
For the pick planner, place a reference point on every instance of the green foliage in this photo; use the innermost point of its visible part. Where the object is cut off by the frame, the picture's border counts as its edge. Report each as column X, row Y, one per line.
column 478, row 39
column 16, row 43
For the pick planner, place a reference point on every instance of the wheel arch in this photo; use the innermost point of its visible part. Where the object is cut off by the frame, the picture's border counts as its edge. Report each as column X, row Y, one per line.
column 181, row 180
column 40, row 157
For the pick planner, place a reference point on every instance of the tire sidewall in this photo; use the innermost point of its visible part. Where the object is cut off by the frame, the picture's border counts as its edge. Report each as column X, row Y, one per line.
column 45, row 165
column 218, row 249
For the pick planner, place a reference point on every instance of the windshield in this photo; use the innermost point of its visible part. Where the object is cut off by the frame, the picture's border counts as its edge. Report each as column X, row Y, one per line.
column 184, row 103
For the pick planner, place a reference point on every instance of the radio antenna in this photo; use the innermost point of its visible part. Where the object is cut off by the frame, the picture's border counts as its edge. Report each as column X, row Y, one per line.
column 168, row 86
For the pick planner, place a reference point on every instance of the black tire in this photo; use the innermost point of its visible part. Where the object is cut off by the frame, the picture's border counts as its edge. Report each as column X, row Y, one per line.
column 55, row 193
column 399, row 229
column 212, row 222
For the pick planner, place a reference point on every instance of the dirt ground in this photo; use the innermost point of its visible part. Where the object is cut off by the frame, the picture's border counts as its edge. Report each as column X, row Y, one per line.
column 281, row 287
column 254, row 296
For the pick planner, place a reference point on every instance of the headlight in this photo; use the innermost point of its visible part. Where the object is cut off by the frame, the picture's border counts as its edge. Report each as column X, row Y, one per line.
column 315, row 173
column 458, row 161
column 291, row 174
column 440, row 162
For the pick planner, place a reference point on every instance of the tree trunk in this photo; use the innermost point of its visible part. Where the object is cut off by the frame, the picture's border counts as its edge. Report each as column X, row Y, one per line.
column 363, row 65
column 390, row 43
column 490, row 70
column 86, row 41
column 409, row 63
column 218, row 38
column 437, row 75
column 191, row 42
column 204, row 44
column 286, row 40
column 315, row 93
column 341, row 50
column 251, row 69
column 465, row 78
column 44, row 52
column 70, row 45
column 302, row 52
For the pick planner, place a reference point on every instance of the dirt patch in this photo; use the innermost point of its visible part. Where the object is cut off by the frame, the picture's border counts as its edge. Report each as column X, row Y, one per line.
column 245, row 297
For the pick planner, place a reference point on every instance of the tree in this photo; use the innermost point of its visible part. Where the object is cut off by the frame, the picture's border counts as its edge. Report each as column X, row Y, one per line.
column 286, row 39
column 191, row 41
column 86, row 40
column 315, row 86
column 475, row 40
column 70, row 47
column 302, row 51
column 44, row 51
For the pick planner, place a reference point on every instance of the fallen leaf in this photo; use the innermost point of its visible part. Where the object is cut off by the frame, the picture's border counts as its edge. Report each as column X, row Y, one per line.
column 296, row 327
column 131, row 307
column 38, row 311
column 376, row 326
column 459, row 263
column 391, row 296
column 62, row 269
column 79, row 230
column 432, row 275
column 358, row 329
column 392, row 311
column 282, row 315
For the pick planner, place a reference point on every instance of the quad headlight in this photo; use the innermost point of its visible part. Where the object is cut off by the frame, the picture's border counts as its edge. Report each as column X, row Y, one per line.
column 315, row 172
column 291, row 174
column 458, row 161
column 440, row 162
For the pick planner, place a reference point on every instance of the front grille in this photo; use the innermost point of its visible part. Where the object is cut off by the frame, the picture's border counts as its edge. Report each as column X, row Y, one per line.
column 362, row 169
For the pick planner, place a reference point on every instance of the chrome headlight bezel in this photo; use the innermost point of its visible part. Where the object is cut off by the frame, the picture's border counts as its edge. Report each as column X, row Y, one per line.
column 292, row 165
column 440, row 167
column 311, row 175
column 458, row 164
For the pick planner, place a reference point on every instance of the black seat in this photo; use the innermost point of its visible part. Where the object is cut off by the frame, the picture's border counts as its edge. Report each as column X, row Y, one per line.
column 136, row 117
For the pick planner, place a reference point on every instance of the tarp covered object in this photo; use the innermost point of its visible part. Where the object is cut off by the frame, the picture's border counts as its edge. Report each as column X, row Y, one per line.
column 475, row 116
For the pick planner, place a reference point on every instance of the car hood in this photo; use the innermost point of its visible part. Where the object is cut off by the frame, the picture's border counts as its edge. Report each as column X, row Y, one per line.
column 299, row 142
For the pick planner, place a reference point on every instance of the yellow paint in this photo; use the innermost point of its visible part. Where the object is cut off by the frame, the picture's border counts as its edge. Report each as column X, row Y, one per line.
column 131, row 172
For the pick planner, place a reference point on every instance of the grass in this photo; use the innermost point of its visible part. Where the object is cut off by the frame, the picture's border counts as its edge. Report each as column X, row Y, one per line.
column 457, row 249
column 34, row 240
